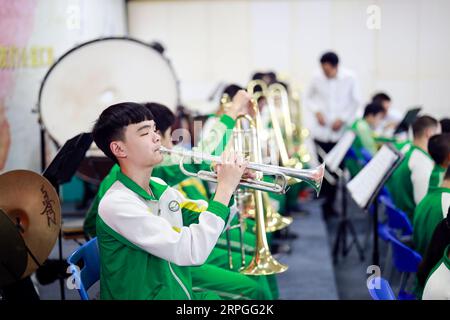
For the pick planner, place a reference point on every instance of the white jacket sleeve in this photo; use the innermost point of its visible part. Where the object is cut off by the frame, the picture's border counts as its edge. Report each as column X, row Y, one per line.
column 421, row 169
column 128, row 216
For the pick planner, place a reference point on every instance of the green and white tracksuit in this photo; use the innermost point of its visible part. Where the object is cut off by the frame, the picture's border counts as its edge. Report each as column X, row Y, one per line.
column 428, row 214
column 228, row 284
column 169, row 171
column 194, row 189
column 145, row 241
column 408, row 184
column 363, row 139
column 437, row 286
column 436, row 177
column 403, row 146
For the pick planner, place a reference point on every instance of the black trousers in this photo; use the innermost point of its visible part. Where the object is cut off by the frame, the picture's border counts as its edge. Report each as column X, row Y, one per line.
column 328, row 190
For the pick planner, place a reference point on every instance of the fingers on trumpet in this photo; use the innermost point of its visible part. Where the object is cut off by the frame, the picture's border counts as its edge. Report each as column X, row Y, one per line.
column 231, row 168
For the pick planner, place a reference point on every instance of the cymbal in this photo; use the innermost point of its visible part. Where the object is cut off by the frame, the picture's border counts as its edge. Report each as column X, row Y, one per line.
column 13, row 252
column 33, row 206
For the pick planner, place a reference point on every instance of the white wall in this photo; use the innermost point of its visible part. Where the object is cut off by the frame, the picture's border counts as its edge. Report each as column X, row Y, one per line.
column 213, row 41
column 55, row 24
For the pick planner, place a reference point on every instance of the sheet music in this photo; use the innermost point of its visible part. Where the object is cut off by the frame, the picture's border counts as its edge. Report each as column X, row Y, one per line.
column 334, row 158
column 363, row 186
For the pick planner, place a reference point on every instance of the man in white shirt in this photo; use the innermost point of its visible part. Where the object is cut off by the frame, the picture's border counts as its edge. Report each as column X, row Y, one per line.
column 333, row 97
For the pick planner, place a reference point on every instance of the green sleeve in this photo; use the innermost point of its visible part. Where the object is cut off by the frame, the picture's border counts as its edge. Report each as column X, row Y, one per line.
column 218, row 137
column 91, row 216
column 213, row 144
column 365, row 135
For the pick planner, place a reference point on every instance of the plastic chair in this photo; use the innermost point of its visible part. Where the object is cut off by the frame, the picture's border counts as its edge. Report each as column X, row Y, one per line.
column 381, row 292
column 406, row 261
column 351, row 154
column 396, row 218
column 366, row 155
column 89, row 273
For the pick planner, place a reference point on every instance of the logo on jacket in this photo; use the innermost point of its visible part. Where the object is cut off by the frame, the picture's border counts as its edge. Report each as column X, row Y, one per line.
column 174, row 206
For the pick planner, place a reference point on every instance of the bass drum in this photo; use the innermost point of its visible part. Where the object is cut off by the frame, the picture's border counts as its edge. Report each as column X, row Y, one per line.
column 95, row 75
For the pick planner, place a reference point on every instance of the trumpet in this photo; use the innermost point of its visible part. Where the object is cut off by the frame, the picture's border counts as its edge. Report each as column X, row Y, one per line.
column 281, row 175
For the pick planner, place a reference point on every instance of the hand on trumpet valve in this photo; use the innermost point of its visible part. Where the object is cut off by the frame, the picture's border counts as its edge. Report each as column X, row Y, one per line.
column 230, row 170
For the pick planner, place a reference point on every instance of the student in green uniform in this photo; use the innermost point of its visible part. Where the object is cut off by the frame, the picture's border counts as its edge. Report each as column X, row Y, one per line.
column 193, row 188
column 168, row 169
column 144, row 236
column 227, row 284
column 429, row 212
column 439, row 149
column 364, row 135
column 408, row 184
column 434, row 270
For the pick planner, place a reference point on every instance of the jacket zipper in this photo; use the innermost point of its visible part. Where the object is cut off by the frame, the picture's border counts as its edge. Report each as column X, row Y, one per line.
column 179, row 282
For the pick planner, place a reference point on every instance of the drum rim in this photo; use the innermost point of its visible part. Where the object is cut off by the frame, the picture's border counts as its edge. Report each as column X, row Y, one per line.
column 44, row 80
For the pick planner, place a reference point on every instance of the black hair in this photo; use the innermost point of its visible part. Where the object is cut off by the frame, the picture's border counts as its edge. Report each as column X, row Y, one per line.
column 158, row 46
column 422, row 123
column 257, row 76
column 373, row 109
column 163, row 116
column 447, row 174
column 272, row 77
column 330, row 57
column 439, row 147
column 112, row 121
column 435, row 250
column 231, row 90
column 445, row 125
column 380, row 97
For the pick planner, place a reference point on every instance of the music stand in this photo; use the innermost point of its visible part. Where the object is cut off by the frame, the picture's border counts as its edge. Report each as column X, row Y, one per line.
column 61, row 170
column 366, row 185
column 333, row 161
column 407, row 120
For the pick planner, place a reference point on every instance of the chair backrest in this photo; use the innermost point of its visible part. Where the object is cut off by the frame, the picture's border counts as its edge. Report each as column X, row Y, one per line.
column 381, row 290
column 351, row 154
column 397, row 219
column 385, row 193
column 367, row 156
column 89, row 273
column 405, row 259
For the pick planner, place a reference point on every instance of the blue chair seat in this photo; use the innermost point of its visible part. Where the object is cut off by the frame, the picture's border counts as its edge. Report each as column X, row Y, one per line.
column 380, row 289
column 89, row 273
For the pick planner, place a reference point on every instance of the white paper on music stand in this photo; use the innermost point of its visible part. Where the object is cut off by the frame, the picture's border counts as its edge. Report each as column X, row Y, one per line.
column 363, row 186
column 334, row 158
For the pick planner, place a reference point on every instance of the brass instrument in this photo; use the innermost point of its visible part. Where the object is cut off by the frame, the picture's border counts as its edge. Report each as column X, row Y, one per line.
column 272, row 94
column 278, row 91
column 300, row 132
column 263, row 263
column 312, row 176
column 274, row 220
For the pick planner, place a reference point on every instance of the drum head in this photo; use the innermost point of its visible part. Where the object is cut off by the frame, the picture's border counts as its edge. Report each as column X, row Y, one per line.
column 97, row 74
